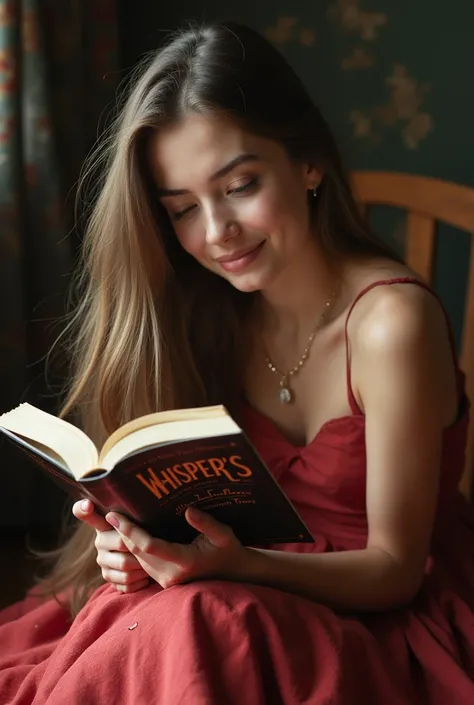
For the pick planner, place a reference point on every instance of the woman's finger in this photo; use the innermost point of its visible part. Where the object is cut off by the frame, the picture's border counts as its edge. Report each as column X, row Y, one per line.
column 220, row 535
column 118, row 561
column 134, row 587
column 85, row 511
column 141, row 544
column 119, row 577
column 109, row 541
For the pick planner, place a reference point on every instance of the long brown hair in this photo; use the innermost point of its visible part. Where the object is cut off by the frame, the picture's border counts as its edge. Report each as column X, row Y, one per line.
column 132, row 338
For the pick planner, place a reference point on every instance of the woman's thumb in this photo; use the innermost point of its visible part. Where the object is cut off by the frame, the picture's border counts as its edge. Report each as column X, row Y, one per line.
column 84, row 510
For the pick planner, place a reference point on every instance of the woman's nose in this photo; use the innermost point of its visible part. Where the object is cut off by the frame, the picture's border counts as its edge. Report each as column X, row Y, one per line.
column 219, row 226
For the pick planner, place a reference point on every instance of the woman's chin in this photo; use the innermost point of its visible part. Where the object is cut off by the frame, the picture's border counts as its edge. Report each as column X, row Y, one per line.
column 256, row 278
column 248, row 283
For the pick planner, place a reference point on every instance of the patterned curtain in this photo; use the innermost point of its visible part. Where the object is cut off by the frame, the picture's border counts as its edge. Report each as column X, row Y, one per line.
column 58, row 68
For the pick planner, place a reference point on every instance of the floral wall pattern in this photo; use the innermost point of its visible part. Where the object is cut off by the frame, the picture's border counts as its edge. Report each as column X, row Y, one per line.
column 403, row 108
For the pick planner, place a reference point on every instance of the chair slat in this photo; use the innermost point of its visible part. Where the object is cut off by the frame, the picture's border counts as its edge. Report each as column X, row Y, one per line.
column 442, row 200
column 419, row 246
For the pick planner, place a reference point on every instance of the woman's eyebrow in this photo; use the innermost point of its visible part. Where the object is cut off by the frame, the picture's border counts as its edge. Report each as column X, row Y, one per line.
column 237, row 161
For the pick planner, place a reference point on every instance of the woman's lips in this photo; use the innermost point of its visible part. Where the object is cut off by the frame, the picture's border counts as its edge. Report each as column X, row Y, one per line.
column 240, row 260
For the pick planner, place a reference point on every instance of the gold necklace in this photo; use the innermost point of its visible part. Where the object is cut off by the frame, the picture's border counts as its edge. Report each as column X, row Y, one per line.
column 285, row 393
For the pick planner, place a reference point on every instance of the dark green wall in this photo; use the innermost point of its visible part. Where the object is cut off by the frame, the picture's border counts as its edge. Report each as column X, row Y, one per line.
column 403, row 68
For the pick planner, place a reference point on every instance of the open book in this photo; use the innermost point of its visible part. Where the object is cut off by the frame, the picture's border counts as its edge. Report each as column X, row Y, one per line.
column 154, row 467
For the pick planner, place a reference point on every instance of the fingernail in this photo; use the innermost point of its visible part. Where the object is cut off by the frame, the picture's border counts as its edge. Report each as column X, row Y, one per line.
column 85, row 505
column 113, row 521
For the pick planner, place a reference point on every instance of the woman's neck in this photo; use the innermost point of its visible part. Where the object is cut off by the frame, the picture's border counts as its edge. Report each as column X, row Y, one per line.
column 301, row 293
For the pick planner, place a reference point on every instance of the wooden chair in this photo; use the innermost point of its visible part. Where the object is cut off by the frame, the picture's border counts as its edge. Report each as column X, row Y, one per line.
column 427, row 201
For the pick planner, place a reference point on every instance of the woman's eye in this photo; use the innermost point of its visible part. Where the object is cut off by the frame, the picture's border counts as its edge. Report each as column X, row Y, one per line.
column 243, row 188
column 248, row 186
column 178, row 215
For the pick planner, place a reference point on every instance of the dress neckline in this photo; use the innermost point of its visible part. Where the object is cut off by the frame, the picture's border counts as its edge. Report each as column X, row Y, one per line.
column 273, row 427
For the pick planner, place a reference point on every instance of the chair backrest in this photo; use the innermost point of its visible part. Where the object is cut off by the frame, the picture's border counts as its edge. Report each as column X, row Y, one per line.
column 427, row 201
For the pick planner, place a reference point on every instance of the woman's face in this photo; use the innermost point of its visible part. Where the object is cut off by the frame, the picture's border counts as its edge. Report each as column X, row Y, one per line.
column 236, row 201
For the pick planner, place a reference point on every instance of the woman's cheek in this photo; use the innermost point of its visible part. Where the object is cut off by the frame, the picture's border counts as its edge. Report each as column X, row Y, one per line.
column 264, row 212
column 189, row 241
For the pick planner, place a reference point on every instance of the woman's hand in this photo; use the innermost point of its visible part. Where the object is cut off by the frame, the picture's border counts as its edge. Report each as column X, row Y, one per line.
column 215, row 553
column 119, row 567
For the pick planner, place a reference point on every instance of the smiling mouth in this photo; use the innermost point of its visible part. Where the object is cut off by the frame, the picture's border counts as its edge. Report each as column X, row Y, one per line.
column 238, row 255
column 238, row 261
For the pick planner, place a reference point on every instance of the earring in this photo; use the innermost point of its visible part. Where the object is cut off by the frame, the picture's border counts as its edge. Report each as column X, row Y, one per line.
column 315, row 191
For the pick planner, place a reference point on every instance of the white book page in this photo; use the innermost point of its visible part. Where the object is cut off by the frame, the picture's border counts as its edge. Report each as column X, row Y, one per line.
column 75, row 448
column 168, row 433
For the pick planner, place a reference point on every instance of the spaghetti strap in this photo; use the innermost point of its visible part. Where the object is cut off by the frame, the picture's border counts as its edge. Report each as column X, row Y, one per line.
column 383, row 282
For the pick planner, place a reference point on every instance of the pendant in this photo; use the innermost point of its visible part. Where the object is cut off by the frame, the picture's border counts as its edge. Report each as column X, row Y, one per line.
column 284, row 394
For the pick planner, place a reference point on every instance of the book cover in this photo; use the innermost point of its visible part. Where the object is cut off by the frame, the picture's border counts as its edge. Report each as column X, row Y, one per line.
column 223, row 476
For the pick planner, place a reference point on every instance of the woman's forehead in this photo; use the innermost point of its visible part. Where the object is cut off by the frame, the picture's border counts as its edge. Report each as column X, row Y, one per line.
column 200, row 145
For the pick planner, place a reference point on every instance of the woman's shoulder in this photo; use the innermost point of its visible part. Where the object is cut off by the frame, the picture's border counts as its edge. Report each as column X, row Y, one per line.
column 386, row 299
column 399, row 328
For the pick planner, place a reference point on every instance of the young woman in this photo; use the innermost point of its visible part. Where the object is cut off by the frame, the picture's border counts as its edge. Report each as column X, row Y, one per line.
column 226, row 262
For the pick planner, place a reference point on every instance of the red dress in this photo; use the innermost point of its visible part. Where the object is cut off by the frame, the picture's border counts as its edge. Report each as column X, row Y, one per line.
column 223, row 643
